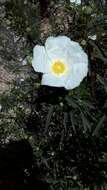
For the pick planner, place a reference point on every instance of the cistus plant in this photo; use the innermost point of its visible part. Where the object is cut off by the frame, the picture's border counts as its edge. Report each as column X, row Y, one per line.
column 65, row 126
column 62, row 61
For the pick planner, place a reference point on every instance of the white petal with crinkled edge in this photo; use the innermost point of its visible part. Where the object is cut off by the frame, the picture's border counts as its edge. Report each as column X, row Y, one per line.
column 70, row 52
column 62, row 47
column 77, row 74
column 72, row 83
column 57, row 54
column 40, row 60
column 56, row 42
column 51, row 80
column 79, row 58
column 56, row 47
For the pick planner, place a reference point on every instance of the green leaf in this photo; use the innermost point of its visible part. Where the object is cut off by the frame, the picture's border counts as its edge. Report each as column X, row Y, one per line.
column 50, row 112
column 71, row 102
column 86, row 123
column 102, row 82
column 105, row 105
column 72, row 120
column 99, row 125
column 86, row 104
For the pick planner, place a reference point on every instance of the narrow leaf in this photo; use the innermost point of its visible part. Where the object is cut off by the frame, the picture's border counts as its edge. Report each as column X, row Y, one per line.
column 72, row 121
column 102, row 82
column 71, row 102
column 87, row 104
column 50, row 112
column 86, row 123
column 99, row 125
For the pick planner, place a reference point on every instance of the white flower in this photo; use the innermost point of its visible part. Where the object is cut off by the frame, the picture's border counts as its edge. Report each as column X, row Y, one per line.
column 62, row 62
column 77, row 2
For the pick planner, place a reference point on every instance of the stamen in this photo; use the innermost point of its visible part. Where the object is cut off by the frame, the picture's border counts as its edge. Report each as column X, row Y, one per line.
column 59, row 67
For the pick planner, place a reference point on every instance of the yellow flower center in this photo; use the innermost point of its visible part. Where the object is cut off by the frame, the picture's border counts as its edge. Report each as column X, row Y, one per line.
column 59, row 67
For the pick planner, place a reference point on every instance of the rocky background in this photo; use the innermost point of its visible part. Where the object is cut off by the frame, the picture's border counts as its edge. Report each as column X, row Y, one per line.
column 50, row 137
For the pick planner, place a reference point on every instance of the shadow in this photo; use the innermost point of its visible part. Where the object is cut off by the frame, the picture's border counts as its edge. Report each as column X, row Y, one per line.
column 16, row 161
column 51, row 95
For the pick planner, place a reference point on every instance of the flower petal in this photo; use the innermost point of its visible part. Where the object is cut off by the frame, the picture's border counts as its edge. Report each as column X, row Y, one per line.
column 77, row 74
column 77, row 58
column 56, row 47
column 51, row 80
column 40, row 60
column 62, row 47
column 58, row 42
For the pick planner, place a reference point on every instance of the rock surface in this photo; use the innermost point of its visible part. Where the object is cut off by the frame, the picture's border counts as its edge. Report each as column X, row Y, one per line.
column 12, row 51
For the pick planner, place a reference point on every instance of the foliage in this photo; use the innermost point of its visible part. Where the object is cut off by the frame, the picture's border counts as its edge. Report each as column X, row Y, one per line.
column 24, row 17
column 66, row 129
